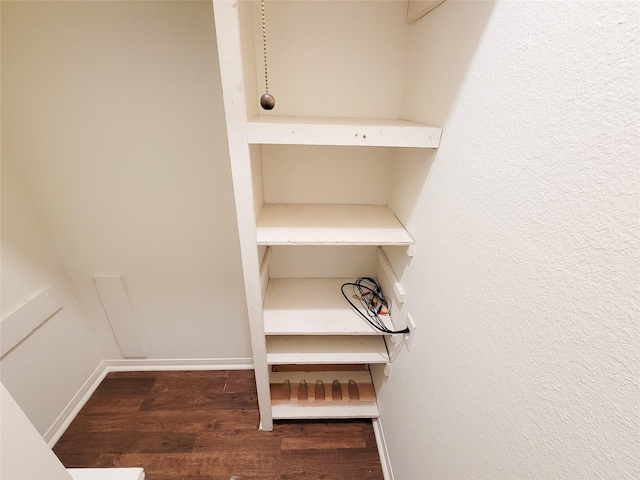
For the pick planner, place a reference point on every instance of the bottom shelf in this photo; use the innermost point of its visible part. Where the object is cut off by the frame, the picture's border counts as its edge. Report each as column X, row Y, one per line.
column 293, row 411
column 314, row 393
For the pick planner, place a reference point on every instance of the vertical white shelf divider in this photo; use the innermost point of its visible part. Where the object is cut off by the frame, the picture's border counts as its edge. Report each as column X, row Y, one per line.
column 227, row 22
column 264, row 272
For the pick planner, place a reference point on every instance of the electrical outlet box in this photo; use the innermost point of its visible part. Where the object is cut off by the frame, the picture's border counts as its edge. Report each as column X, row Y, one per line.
column 408, row 337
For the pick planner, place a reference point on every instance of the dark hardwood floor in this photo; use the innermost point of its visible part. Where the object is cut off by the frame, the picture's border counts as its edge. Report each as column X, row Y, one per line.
column 197, row 425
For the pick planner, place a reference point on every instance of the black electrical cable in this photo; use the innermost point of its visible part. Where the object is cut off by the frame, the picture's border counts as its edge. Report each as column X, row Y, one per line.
column 374, row 303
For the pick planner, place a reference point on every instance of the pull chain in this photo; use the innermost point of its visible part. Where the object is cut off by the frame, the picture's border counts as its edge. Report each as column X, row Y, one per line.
column 267, row 101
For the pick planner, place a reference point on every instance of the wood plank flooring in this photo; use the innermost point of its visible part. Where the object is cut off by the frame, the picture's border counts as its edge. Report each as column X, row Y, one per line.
column 203, row 425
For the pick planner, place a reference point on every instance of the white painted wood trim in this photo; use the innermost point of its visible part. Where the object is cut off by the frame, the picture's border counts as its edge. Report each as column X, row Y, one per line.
column 121, row 316
column 24, row 320
column 313, row 349
column 264, row 272
column 289, row 224
column 341, row 131
column 416, row 9
column 311, row 411
column 55, row 431
column 106, row 473
column 176, row 364
column 383, row 452
column 386, row 270
column 230, row 56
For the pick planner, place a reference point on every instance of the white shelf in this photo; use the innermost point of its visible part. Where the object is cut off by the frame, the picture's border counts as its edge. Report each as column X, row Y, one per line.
column 312, row 306
column 378, row 132
column 318, row 326
column 314, row 349
column 310, row 411
column 294, row 224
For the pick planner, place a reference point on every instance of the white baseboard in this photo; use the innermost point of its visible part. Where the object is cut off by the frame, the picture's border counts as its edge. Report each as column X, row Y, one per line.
column 53, row 434
column 146, row 364
column 387, row 472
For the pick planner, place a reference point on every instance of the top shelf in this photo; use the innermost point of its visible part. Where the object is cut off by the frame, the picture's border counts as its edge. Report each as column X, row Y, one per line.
column 375, row 132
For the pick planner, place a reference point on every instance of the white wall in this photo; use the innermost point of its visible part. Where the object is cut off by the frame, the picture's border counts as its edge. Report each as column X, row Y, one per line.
column 46, row 370
column 332, row 58
column 525, row 281
column 112, row 113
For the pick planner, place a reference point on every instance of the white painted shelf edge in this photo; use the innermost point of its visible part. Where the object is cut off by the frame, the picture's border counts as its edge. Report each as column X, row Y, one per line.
column 312, row 306
column 344, row 410
column 315, row 349
column 303, row 224
column 378, row 132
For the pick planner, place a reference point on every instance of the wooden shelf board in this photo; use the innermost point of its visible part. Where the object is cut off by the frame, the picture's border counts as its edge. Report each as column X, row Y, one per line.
column 379, row 132
column 316, row 349
column 327, row 375
column 312, row 306
column 295, row 224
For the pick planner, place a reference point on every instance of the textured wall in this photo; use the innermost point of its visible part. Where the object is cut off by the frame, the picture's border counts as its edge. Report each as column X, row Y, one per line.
column 112, row 113
column 525, row 282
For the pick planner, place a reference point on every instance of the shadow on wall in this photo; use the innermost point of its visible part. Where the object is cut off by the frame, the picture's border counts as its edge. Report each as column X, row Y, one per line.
column 434, row 77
